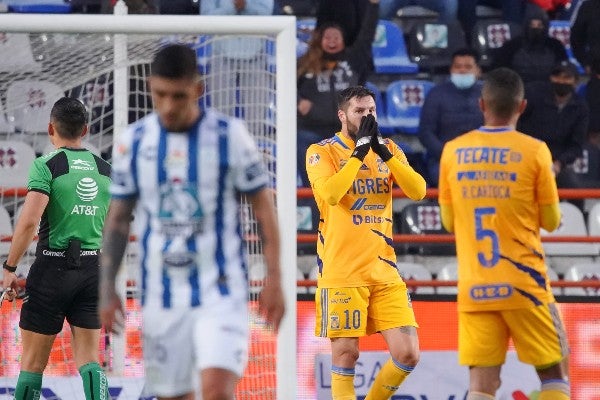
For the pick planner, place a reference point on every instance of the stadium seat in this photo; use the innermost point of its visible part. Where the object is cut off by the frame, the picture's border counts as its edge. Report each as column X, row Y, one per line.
column 39, row 6
column 307, row 217
column 415, row 272
column 382, row 120
column 6, row 229
column 561, row 30
column 581, row 272
column 28, row 105
column 15, row 160
column 300, row 277
column 593, row 220
column 305, row 28
column 431, row 45
column 257, row 271
column 560, row 256
column 553, row 276
column 404, row 101
column 489, row 35
column 21, row 57
column 422, row 219
column 389, row 51
column 313, row 275
column 448, row 272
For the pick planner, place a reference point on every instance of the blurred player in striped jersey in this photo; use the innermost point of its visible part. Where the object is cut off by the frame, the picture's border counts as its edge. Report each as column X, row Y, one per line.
column 497, row 189
column 360, row 291
column 185, row 167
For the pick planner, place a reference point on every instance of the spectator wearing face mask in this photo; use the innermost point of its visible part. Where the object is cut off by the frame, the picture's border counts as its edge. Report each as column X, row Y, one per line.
column 557, row 116
column 532, row 54
column 451, row 108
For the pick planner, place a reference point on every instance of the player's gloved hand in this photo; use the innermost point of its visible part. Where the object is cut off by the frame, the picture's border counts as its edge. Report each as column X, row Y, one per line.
column 379, row 147
column 368, row 127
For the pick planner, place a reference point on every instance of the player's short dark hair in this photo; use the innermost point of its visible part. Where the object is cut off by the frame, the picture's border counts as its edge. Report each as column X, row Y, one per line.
column 503, row 92
column 175, row 61
column 466, row 52
column 347, row 94
column 69, row 116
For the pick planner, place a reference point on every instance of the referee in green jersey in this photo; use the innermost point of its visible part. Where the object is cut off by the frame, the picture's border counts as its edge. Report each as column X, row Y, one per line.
column 67, row 195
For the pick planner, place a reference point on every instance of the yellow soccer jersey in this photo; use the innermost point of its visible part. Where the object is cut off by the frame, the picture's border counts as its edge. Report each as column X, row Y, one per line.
column 496, row 179
column 354, row 243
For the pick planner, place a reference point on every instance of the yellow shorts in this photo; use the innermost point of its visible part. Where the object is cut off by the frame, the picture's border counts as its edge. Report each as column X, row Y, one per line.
column 361, row 311
column 538, row 335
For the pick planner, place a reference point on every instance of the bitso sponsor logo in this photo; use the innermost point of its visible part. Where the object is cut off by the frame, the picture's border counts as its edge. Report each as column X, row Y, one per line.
column 87, row 189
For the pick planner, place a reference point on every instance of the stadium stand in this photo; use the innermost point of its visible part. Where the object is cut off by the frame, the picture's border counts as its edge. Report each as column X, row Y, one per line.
column 561, row 30
column 417, row 272
column 15, row 159
column 581, row 272
column 421, row 219
column 593, row 220
column 28, row 105
column 489, row 35
column 21, row 57
column 5, row 230
column 561, row 256
column 390, row 55
column 404, row 101
column 431, row 45
column 448, row 272
column 382, row 120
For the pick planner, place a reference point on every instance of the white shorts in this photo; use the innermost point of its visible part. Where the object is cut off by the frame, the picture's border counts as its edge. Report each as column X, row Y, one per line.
column 178, row 343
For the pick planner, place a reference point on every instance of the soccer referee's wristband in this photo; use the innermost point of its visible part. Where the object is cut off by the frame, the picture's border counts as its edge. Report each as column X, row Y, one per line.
column 8, row 267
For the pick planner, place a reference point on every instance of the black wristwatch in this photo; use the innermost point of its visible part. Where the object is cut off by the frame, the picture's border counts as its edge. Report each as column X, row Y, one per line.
column 8, row 267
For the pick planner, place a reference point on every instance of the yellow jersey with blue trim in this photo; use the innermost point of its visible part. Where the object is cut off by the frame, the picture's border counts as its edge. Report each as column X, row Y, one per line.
column 496, row 179
column 354, row 245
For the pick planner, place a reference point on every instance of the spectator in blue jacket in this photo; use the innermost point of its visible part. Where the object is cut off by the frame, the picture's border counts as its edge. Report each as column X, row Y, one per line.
column 451, row 109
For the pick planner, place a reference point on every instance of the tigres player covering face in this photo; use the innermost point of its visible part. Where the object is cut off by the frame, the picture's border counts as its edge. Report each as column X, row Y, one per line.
column 360, row 290
column 496, row 190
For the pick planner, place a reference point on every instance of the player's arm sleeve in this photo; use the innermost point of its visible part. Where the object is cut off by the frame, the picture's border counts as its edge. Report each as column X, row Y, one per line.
column 40, row 177
column 409, row 180
column 326, row 182
column 124, row 169
column 546, row 190
column 249, row 172
column 444, row 194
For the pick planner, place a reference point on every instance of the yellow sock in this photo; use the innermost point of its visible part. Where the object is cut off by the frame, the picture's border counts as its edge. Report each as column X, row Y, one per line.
column 387, row 381
column 555, row 389
column 342, row 383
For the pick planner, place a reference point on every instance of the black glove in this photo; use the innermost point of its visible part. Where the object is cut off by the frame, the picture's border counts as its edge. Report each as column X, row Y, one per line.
column 368, row 127
column 379, row 147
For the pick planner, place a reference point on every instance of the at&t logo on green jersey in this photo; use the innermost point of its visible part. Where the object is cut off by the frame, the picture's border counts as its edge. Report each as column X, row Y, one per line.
column 87, row 190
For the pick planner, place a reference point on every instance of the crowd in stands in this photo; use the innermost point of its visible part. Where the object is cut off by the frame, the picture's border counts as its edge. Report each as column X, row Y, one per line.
column 562, row 106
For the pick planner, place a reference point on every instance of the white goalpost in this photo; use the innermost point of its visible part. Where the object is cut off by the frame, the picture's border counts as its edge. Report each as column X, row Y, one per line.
column 104, row 61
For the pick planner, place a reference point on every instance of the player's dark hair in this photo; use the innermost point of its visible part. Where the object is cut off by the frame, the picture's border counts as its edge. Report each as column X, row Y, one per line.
column 347, row 94
column 503, row 92
column 69, row 116
column 175, row 61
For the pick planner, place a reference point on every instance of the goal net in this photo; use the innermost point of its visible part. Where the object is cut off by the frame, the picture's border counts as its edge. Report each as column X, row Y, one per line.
column 104, row 61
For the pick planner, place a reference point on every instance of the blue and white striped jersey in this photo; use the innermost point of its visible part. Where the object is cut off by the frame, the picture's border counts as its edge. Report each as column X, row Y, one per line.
column 187, row 185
